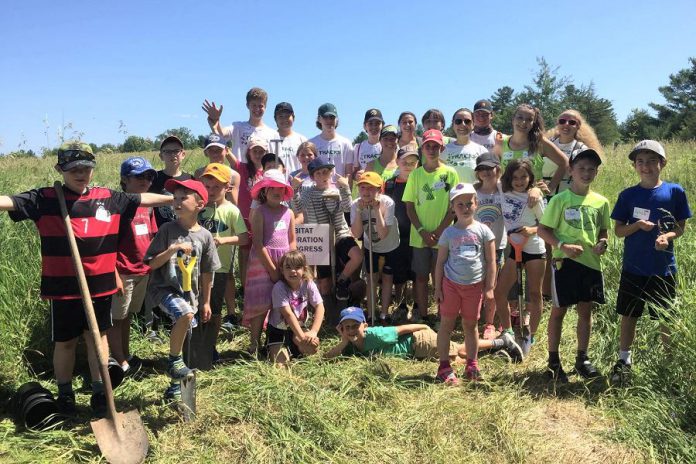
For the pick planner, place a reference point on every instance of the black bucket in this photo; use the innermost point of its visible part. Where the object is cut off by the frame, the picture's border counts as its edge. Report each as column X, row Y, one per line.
column 35, row 407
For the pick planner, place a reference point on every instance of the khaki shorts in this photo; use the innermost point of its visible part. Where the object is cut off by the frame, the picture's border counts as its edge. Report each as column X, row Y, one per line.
column 134, row 289
column 425, row 345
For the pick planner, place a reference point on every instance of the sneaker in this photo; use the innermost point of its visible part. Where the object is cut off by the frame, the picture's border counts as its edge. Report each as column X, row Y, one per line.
column 66, row 404
column 489, row 332
column 343, row 290
column 621, row 373
column 229, row 323
column 556, row 373
column 585, row 369
column 447, row 376
column 135, row 363
column 512, row 347
column 178, row 370
column 173, row 392
column 473, row 373
column 98, row 404
column 152, row 337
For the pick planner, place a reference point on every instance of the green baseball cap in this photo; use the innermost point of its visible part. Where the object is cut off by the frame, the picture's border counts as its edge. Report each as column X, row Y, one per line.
column 73, row 154
column 328, row 109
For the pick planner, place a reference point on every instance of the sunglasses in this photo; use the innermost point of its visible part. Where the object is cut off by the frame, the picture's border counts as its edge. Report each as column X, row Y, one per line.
column 74, row 155
column 570, row 122
column 145, row 176
column 459, row 121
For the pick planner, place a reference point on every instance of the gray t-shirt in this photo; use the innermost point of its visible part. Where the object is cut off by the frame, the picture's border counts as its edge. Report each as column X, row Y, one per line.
column 166, row 280
column 465, row 263
column 391, row 241
column 490, row 212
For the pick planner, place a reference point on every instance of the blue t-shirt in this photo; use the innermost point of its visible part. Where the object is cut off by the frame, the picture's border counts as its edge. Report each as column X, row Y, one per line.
column 635, row 203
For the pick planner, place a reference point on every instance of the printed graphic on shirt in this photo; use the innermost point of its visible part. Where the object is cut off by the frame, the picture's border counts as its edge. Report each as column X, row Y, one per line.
column 513, row 208
column 488, row 214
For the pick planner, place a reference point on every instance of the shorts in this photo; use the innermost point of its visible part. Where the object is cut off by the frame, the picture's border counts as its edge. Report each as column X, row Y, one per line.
column 68, row 320
column 398, row 263
column 423, row 260
column 526, row 256
column 636, row 290
column 425, row 345
column 343, row 247
column 175, row 307
column 276, row 336
column 459, row 299
column 134, row 290
column 573, row 282
column 217, row 293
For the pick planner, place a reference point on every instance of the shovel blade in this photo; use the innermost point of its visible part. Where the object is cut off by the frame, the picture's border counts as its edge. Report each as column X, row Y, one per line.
column 188, row 398
column 123, row 439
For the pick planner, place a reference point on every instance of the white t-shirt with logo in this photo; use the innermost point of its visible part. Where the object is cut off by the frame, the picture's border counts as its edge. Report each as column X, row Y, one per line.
column 288, row 151
column 366, row 152
column 240, row 131
column 487, row 141
column 337, row 151
column 463, row 159
column 388, row 243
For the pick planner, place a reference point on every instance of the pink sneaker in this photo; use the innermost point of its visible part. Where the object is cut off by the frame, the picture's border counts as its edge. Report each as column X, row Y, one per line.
column 473, row 373
column 447, row 376
column 489, row 332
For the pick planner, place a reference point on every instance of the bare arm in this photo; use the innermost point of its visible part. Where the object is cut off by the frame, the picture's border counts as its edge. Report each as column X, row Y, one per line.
column 337, row 350
column 239, row 240
column 442, row 255
column 622, row 229
column 410, row 328
column 382, row 229
column 6, row 203
column 163, row 258
column 155, row 199
column 204, row 300
column 356, row 227
column 233, row 191
column 291, row 320
column 292, row 238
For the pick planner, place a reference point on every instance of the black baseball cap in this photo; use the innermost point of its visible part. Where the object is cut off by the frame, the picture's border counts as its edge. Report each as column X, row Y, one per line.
column 373, row 113
column 484, row 105
column 487, row 159
column 284, row 107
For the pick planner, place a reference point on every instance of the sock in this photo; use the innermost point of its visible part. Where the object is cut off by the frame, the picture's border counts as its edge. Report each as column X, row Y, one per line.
column 554, row 357
column 97, row 386
column 65, row 389
column 581, row 356
column 472, row 362
column 510, row 331
column 444, row 365
column 625, row 356
column 125, row 366
column 174, row 357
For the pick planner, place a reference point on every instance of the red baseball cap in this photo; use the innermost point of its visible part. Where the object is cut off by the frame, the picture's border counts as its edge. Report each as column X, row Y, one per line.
column 172, row 184
column 433, row 135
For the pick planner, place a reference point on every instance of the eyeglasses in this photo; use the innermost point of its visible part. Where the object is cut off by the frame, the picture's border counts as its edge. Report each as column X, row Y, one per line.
column 570, row 122
column 459, row 121
column 172, row 152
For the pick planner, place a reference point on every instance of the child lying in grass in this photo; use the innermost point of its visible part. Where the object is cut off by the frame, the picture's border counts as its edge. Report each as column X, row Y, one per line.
column 417, row 341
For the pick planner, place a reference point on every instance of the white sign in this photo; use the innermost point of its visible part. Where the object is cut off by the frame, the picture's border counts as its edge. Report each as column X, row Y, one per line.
column 313, row 241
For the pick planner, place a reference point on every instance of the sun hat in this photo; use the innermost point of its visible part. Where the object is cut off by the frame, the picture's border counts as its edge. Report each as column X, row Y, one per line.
column 273, row 178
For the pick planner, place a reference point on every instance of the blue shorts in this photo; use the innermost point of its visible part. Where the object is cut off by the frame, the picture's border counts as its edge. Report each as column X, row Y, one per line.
column 175, row 306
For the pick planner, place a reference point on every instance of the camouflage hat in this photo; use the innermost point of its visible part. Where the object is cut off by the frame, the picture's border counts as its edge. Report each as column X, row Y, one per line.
column 73, row 154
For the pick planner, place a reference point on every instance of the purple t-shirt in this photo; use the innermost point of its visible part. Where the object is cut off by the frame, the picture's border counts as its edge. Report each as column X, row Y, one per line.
column 282, row 295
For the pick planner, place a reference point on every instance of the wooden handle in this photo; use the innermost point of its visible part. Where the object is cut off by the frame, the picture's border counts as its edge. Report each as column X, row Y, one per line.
column 87, row 303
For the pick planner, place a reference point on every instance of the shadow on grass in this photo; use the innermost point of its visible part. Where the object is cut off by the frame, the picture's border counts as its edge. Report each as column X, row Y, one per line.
column 539, row 386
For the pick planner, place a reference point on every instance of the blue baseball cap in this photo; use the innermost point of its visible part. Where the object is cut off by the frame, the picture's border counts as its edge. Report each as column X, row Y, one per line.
column 319, row 163
column 135, row 166
column 214, row 140
column 353, row 313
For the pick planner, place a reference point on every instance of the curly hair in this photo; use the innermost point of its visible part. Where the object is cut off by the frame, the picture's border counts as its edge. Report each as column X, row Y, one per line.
column 585, row 133
column 512, row 166
column 536, row 133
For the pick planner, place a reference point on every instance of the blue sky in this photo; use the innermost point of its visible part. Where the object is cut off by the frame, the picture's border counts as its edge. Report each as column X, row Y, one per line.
column 150, row 64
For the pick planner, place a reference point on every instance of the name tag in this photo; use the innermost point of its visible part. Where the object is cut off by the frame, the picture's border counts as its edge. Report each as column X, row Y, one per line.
column 280, row 225
column 641, row 213
column 467, row 251
column 438, row 185
column 102, row 215
column 507, row 156
column 141, row 229
column 572, row 215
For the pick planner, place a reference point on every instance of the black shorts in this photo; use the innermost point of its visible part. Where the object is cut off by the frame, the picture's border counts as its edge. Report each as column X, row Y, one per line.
column 343, row 247
column 398, row 263
column 573, row 282
column 275, row 336
column 68, row 320
column 636, row 290
column 526, row 256
column 217, row 293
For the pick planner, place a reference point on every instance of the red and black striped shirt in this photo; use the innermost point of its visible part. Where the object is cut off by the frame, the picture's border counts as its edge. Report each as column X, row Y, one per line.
column 95, row 216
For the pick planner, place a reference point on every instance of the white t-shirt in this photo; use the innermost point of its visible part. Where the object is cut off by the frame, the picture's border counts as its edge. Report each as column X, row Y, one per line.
column 463, row 159
column 239, row 133
column 488, row 141
column 288, row 151
column 391, row 241
column 366, row 152
column 517, row 214
column 337, row 151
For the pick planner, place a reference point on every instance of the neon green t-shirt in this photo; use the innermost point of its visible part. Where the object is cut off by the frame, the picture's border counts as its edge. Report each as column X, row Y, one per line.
column 509, row 154
column 429, row 192
column 223, row 221
column 577, row 220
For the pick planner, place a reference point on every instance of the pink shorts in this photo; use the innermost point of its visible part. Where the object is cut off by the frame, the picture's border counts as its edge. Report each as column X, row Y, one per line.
column 461, row 299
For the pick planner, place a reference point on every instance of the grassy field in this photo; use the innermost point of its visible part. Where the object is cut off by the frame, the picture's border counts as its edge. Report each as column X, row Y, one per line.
column 373, row 410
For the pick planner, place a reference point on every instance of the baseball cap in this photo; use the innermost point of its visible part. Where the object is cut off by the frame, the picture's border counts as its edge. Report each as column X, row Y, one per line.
column 214, row 140
column 433, row 135
column 218, row 171
column 74, row 154
column 647, row 145
column 461, row 189
column 353, row 313
column 273, row 178
column 373, row 113
column 484, row 105
column 255, row 141
column 587, row 154
column 390, row 129
column 407, row 151
column 135, row 166
column 283, row 107
column 487, row 159
column 172, row 184
column 327, row 109
column 172, row 138
column 371, row 178
column 319, row 163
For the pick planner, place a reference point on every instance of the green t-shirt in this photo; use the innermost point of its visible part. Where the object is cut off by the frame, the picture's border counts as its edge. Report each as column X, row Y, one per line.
column 223, row 221
column 508, row 154
column 429, row 192
column 383, row 340
column 577, row 220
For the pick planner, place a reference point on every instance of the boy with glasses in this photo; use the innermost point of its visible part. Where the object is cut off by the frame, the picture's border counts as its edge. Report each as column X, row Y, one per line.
column 171, row 153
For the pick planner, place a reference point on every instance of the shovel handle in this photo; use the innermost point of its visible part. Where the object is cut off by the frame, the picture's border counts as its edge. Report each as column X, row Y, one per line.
column 87, row 304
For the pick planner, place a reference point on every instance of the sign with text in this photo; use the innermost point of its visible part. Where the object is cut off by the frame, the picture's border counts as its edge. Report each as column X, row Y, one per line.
column 313, row 241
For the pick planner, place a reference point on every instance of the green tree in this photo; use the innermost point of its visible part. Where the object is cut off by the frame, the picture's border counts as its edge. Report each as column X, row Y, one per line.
column 135, row 143
column 639, row 125
column 360, row 137
column 545, row 91
column 678, row 115
column 189, row 140
column 503, row 102
column 599, row 112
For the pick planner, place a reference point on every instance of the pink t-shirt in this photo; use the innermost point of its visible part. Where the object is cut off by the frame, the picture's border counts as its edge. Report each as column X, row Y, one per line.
column 245, row 185
column 133, row 239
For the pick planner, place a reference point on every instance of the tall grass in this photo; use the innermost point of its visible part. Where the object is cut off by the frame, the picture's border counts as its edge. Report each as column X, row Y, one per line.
column 374, row 410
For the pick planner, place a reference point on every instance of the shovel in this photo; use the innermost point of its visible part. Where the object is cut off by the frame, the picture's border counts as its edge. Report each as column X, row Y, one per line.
column 121, row 437
column 188, row 385
column 370, row 265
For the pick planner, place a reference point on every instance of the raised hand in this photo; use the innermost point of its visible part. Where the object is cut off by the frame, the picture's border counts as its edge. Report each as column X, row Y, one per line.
column 212, row 111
